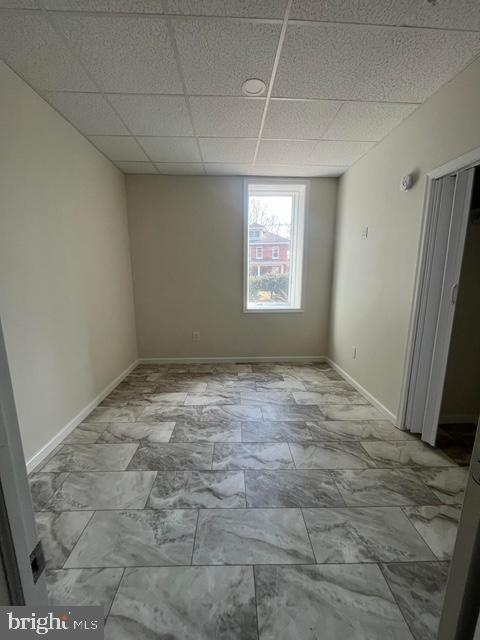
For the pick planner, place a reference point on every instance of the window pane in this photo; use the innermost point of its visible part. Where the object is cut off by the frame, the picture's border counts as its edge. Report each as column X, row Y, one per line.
column 274, row 247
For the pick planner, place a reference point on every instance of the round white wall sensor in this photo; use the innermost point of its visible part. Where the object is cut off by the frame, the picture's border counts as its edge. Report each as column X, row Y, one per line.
column 254, row 87
column 406, row 183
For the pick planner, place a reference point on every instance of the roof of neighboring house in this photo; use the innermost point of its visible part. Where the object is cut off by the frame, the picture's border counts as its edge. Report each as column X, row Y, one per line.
column 267, row 236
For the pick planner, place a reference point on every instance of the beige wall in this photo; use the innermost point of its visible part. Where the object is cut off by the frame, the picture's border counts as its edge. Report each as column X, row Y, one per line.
column 66, row 299
column 374, row 278
column 187, row 254
column 461, row 395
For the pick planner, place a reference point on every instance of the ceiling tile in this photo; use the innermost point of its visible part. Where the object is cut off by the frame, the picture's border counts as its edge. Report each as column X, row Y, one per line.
column 136, row 167
column 372, row 63
column 448, row 14
column 230, row 117
column 18, row 4
column 89, row 112
column 301, row 171
column 244, row 8
column 217, row 56
column 225, row 169
column 118, row 147
column 298, row 119
column 171, row 149
column 285, row 151
column 124, row 53
column 126, row 6
column 180, row 169
column 154, row 115
column 367, row 120
column 33, row 49
column 338, row 153
column 235, row 150
column 385, row 12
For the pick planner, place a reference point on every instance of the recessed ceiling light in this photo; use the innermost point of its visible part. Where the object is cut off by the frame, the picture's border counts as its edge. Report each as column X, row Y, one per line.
column 253, row 87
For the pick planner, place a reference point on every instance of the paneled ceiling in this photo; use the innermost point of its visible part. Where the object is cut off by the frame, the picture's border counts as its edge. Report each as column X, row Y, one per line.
column 156, row 85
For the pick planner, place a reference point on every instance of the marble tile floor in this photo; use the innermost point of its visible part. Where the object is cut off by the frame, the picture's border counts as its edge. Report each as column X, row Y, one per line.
column 248, row 502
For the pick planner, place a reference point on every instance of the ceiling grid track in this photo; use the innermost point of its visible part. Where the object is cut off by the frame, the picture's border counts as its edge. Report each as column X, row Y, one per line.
column 239, row 95
column 246, row 19
column 171, row 35
column 332, row 120
column 276, row 62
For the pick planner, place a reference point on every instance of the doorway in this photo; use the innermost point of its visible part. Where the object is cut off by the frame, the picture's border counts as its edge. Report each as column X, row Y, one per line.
column 444, row 329
column 460, row 407
column 440, row 391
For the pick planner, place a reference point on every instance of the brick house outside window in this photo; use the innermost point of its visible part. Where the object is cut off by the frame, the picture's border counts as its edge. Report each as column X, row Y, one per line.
column 268, row 252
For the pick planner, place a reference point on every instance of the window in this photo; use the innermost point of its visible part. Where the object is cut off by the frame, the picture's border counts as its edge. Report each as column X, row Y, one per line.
column 274, row 221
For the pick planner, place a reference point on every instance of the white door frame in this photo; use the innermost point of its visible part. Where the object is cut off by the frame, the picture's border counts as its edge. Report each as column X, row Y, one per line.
column 442, row 193
column 470, row 159
column 447, row 306
column 19, row 541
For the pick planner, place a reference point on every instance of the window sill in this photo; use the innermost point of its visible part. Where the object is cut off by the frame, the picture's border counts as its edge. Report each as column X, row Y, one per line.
column 278, row 310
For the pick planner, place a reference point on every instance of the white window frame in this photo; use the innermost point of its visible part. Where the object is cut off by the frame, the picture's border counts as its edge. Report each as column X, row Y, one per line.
column 300, row 191
column 275, row 253
column 258, row 253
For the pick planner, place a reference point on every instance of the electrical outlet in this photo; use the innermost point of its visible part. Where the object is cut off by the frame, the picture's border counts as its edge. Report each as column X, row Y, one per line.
column 354, row 353
column 365, row 233
column 196, row 336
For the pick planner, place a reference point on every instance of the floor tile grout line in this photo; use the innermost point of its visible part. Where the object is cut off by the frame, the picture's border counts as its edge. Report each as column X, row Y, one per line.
column 291, row 455
column 80, row 535
column 380, row 566
column 256, row 601
column 116, row 593
column 419, row 535
column 49, row 501
column 429, row 488
column 309, row 537
column 245, row 488
column 151, row 489
column 329, row 507
column 419, row 506
column 250, row 564
column 212, row 459
column 262, row 468
column 335, row 483
column 195, row 538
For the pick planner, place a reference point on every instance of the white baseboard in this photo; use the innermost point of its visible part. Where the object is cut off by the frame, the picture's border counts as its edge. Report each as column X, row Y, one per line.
column 366, row 394
column 42, row 453
column 458, row 418
column 227, row 359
